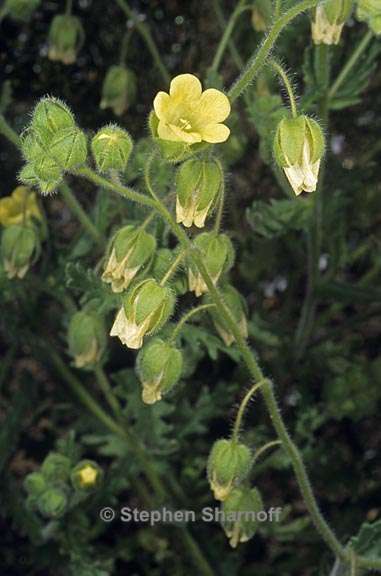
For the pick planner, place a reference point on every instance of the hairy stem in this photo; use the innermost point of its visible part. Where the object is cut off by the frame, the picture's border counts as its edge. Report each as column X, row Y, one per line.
column 242, row 408
column 106, row 389
column 287, row 84
column 186, row 317
column 75, row 207
column 228, row 30
column 264, row 449
column 173, row 267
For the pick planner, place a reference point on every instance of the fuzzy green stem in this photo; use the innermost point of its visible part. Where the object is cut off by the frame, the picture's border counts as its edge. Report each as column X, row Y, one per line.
column 264, row 449
column 242, row 408
column 231, row 44
column 8, row 132
column 259, row 58
column 186, row 317
column 277, row 8
column 172, row 269
column 80, row 214
column 350, row 63
column 124, row 45
column 221, row 200
column 145, row 33
column 287, row 84
column 226, row 36
column 106, row 389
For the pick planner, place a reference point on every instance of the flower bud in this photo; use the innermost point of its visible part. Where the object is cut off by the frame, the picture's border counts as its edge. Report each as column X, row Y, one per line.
column 86, row 338
column 20, row 247
column 239, row 514
column 51, row 115
column 369, row 11
column 20, row 207
column 261, row 15
column 111, row 147
column 145, row 310
column 119, row 89
column 68, row 148
column 53, row 502
column 218, row 256
column 328, row 20
column 198, row 183
column 298, row 149
column 38, row 156
column 66, row 36
column 35, row 483
column 159, row 366
column 235, row 303
column 28, row 176
column 21, row 9
column 86, row 475
column 56, row 467
column 132, row 249
column 228, row 464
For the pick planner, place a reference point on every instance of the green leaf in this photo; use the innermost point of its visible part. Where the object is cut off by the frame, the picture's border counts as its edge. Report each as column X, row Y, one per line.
column 281, row 216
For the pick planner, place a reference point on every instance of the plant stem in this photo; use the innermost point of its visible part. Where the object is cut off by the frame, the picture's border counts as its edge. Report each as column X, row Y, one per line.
column 81, row 215
column 106, row 389
column 173, row 267
column 287, row 84
column 145, row 33
column 124, row 45
column 220, row 210
column 69, row 6
column 259, row 57
column 264, row 449
column 186, row 317
column 242, row 408
column 277, row 8
column 350, row 63
column 228, row 30
column 8, row 132
column 222, row 23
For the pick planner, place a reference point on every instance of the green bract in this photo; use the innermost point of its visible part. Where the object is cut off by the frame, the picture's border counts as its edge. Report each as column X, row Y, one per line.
column 35, row 483
column 20, row 247
column 56, row 467
column 218, row 256
column 111, row 147
column 239, row 510
column 119, row 89
column 66, row 36
column 159, row 366
column 86, row 338
column 228, row 464
column 53, row 502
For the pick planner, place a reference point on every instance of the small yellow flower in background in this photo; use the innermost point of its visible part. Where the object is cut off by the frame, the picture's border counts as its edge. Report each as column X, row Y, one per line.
column 88, row 475
column 187, row 114
column 19, row 207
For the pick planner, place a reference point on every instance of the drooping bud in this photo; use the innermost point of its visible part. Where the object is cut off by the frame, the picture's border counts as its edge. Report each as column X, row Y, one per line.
column 131, row 250
column 145, row 310
column 56, row 467
column 261, row 15
column 51, row 115
column 21, row 9
column 86, row 339
column 240, row 511
column 228, row 464
column 66, row 37
column 86, row 475
column 218, row 256
column 369, row 11
column 328, row 20
column 20, row 247
column 53, row 502
column 236, row 306
column 198, row 184
column 298, row 149
column 111, row 147
column 21, row 206
column 159, row 365
column 119, row 89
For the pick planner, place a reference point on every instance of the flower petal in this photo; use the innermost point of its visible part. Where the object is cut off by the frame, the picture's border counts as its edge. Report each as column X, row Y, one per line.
column 161, row 104
column 186, row 86
column 215, row 133
column 176, row 134
column 214, row 106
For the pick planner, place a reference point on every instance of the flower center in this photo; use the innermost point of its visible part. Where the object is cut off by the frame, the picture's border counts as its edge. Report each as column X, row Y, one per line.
column 185, row 124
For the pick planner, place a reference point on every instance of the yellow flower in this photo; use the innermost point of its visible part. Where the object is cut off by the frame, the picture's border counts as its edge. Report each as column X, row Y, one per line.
column 187, row 114
column 19, row 207
column 88, row 476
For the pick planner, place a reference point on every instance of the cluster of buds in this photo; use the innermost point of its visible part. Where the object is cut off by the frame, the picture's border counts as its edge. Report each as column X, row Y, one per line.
column 236, row 306
column 229, row 464
column 51, row 145
column 369, row 11
column 328, row 19
column 198, row 184
column 66, row 37
column 21, row 10
column 218, row 256
column 239, row 514
column 298, row 149
column 132, row 248
column 86, row 339
column 119, row 89
column 146, row 308
column 159, row 366
column 111, row 148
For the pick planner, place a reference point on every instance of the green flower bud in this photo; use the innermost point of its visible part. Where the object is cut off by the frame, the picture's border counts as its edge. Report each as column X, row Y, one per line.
column 66, row 36
column 21, row 9
column 69, row 148
column 236, row 306
column 119, row 89
column 49, row 116
column 86, row 338
column 56, row 467
column 35, row 483
column 37, row 154
column 20, row 247
column 228, row 464
column 261, row 15
column 111, row 147
column 218, row 256
column 132, row 249
column 145, row 310
column 159, row 366
column 86, row 475
column 369, row 11
column 298, row 149
column 239, row 514
column 328, row 20
column 28, row 176
column 198, row 184
column 53, row 502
